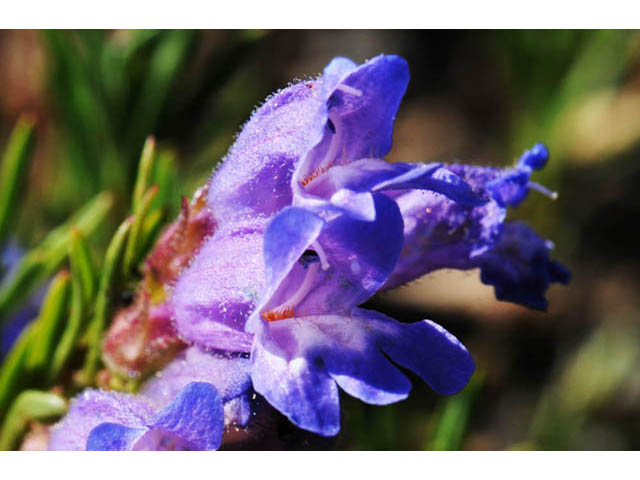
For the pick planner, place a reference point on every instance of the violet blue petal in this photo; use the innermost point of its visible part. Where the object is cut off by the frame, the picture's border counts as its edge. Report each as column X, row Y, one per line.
column 12, row 327
column 306, row 395
column 114, row 437
column 362, row 109
column 376, row 175
column 358, row 353
column 195, row 418
column 255, row 175
column 425, row 348
column 536, row 157
column 519, row 268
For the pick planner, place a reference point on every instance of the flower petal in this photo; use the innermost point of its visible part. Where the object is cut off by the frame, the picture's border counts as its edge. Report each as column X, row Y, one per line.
column 214, row 296
column 375, row 175
column 306, row 395
column 295, row 362
column 362, row 109
column 114, row 437
column 519, row 268
column 353, row 260
column 425, row 348
column 92, row 408
column 255, row 175
column 228, row 373
column 195, row 418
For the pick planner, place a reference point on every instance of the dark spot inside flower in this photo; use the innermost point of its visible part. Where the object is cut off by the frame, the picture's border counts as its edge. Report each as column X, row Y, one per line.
column 308, row 257
column 331, row 126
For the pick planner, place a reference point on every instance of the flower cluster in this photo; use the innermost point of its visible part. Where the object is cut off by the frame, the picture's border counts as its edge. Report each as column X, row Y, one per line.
column 307, row 223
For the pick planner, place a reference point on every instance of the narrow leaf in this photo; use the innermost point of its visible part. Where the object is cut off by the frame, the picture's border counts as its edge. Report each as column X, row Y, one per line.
column 145, row 168
column 133, row 248
column 98, row 321
column 40, row 263
column 13, row 168
column 81, row 264
column 48, row 325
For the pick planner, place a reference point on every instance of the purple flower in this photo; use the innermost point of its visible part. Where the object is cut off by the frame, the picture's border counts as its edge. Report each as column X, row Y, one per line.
column 316, row 144
column 100, row 420
column 440, row 233
column 310, row 337
column 311, row 222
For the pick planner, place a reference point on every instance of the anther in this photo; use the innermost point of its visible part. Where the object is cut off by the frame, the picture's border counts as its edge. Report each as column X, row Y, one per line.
column 348, row 89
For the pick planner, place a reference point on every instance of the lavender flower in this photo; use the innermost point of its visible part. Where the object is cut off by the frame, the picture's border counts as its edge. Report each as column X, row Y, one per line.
column 311, row 222
column 99, row 420
column 308, row 145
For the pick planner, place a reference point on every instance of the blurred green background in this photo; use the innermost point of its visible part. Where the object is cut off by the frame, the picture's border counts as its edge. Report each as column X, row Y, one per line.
column 567, row 379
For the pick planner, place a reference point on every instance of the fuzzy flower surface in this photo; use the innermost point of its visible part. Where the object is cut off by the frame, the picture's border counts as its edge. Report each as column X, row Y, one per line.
column 101, row 420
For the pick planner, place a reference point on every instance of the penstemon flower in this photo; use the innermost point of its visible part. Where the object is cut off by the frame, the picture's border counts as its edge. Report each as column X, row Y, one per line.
column 302, row 223
column 337, row 225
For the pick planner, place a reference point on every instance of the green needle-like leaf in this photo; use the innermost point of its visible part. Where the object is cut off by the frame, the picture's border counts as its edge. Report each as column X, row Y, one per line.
column 454, row 415
column 48, row 325
column 98, row 321
column 12, row 170
column 40, row 263
column 134, row 242
column 145, row 168
column 13, row 373
column 74, row 325
column 28, row 406
column 81, row 265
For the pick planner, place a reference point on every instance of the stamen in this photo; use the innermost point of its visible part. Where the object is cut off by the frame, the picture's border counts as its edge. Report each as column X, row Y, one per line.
column 543, row 190
column 315, row 174
column 348, row 89
column 334, row 147
column 286, row 310
column 275, row 315
column 323, row 256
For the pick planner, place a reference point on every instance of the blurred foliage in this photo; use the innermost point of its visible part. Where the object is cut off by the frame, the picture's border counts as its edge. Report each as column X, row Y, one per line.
column 72, row 169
